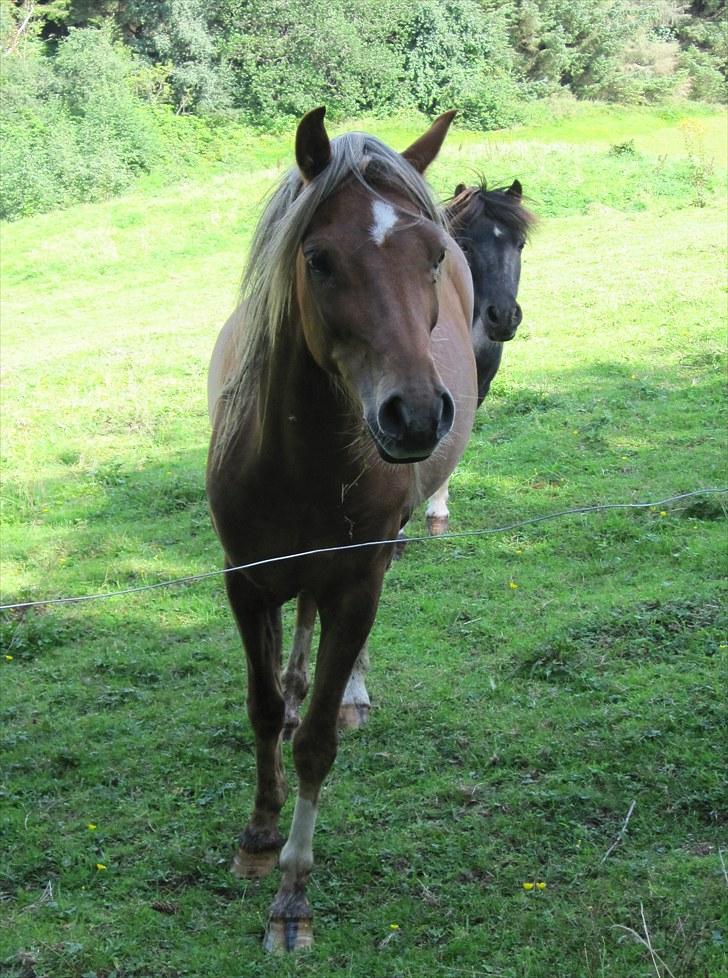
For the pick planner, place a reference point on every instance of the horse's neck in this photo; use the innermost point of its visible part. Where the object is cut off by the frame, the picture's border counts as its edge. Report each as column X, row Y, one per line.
column 488, row 354
column 302, row 414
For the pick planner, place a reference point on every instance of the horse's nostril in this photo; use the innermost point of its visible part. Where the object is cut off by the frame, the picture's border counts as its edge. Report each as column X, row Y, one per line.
column 517, row 315
column 393, row 416
column 447, row 414
column 492, row 314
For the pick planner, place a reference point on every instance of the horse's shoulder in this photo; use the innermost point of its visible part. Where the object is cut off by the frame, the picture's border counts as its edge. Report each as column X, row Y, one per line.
column 223, row 359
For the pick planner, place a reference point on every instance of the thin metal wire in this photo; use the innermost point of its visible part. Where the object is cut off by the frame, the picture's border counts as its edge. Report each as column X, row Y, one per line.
column 488, row 531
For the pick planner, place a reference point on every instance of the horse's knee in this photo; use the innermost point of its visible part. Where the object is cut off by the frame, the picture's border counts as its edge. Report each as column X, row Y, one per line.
column 267, row 714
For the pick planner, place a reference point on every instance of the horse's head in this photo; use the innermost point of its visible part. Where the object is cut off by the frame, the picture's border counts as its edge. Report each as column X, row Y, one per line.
column 368, row 272
column 491, row 226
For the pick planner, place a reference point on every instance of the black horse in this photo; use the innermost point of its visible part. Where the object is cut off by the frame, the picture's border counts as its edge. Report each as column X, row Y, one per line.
column 491, row 227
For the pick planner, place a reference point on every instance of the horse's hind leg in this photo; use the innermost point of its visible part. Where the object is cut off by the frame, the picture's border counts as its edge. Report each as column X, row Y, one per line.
column 437, row 512
column 260, row 629
column 345, row 624
column 295, row 678
column 355, row 704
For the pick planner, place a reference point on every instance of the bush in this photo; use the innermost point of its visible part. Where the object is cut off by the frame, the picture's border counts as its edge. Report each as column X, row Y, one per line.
column 491, row 103
column 703, row 71
column 283, row 64
column 71, row 128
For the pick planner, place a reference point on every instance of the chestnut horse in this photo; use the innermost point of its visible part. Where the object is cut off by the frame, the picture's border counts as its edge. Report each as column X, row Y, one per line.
column 491, row 227
column 343, row 392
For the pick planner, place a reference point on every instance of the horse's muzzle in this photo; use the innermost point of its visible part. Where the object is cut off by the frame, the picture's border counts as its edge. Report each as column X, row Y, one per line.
column 501, row 322
column 407, row 431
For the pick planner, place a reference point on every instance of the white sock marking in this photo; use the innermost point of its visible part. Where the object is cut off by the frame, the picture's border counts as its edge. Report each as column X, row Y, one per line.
column 297, row 854
column 356, row 691
column 437, row 503
column 385, row 218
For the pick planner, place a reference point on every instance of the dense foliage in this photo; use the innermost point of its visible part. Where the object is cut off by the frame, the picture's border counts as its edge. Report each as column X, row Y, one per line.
column 90, row 87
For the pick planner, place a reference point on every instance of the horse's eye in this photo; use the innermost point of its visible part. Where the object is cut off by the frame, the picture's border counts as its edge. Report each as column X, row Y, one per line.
column 319, row 262
column 437, row 267
column 521, row 245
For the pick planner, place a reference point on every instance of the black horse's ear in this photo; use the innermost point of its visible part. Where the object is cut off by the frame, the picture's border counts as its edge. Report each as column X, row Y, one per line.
column 424, row 150
column 313, row 149
column 459, row 189
column 515, row 189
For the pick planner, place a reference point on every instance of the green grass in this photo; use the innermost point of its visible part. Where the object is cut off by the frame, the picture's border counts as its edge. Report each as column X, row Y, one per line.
column 513, row 727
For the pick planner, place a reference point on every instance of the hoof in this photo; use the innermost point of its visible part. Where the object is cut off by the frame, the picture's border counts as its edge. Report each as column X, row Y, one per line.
column 254, row 865
column 288, row 935
column 353, row 715
column 437, row 525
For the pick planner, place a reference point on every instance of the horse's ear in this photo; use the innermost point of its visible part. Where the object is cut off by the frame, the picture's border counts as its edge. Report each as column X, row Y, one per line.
column 313, row 149
column 461, row 188
column 424, row 150
column 515, row 189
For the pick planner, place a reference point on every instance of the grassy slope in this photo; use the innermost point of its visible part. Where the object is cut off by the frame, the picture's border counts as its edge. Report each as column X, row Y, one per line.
column 514, row 726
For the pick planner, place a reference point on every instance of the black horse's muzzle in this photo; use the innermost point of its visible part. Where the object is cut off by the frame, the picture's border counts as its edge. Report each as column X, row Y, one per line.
column 502, row 321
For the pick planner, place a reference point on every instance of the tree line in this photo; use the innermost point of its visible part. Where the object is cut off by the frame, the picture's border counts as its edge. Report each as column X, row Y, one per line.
column 90, row 86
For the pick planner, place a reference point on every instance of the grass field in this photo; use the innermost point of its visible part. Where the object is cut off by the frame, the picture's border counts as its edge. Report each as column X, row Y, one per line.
column 528, row 686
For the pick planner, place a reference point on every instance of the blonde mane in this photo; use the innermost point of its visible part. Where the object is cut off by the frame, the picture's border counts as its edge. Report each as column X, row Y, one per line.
column 268, row 282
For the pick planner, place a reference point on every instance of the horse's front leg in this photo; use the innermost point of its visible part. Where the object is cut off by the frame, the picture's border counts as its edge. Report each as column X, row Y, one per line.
column 346, row 619
column 355, row 705
column 295, row 678
column 437, row 512
column 260, row 629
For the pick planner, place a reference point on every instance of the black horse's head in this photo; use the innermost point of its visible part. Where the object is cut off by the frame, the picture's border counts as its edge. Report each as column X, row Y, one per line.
column 491, row 226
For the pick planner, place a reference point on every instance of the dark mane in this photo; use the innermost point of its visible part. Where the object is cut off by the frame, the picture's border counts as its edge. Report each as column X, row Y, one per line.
column 496, row 204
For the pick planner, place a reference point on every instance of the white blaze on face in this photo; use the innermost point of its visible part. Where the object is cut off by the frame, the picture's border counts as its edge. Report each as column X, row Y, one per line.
column 385, row 218
column 497, row 231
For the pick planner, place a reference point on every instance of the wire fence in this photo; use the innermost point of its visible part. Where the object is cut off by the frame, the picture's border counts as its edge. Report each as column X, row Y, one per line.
column 459, row 535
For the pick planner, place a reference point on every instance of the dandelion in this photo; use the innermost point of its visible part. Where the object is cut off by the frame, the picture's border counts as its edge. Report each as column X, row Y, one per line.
column 540, row 885
column 663, row 512
column 512, row 585
column 528, row 886
column 91, row 826
column 100, row 867
column 394, row 926
column 8, row 658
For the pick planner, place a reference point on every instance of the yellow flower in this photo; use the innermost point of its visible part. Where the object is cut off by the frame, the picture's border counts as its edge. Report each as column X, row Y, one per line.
column 394, row 926
column 663, row 512
column 512, row 585
column 91, row 826
column 100, row 867
column 541, row 885
column 8, row 658
column 528, row 886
